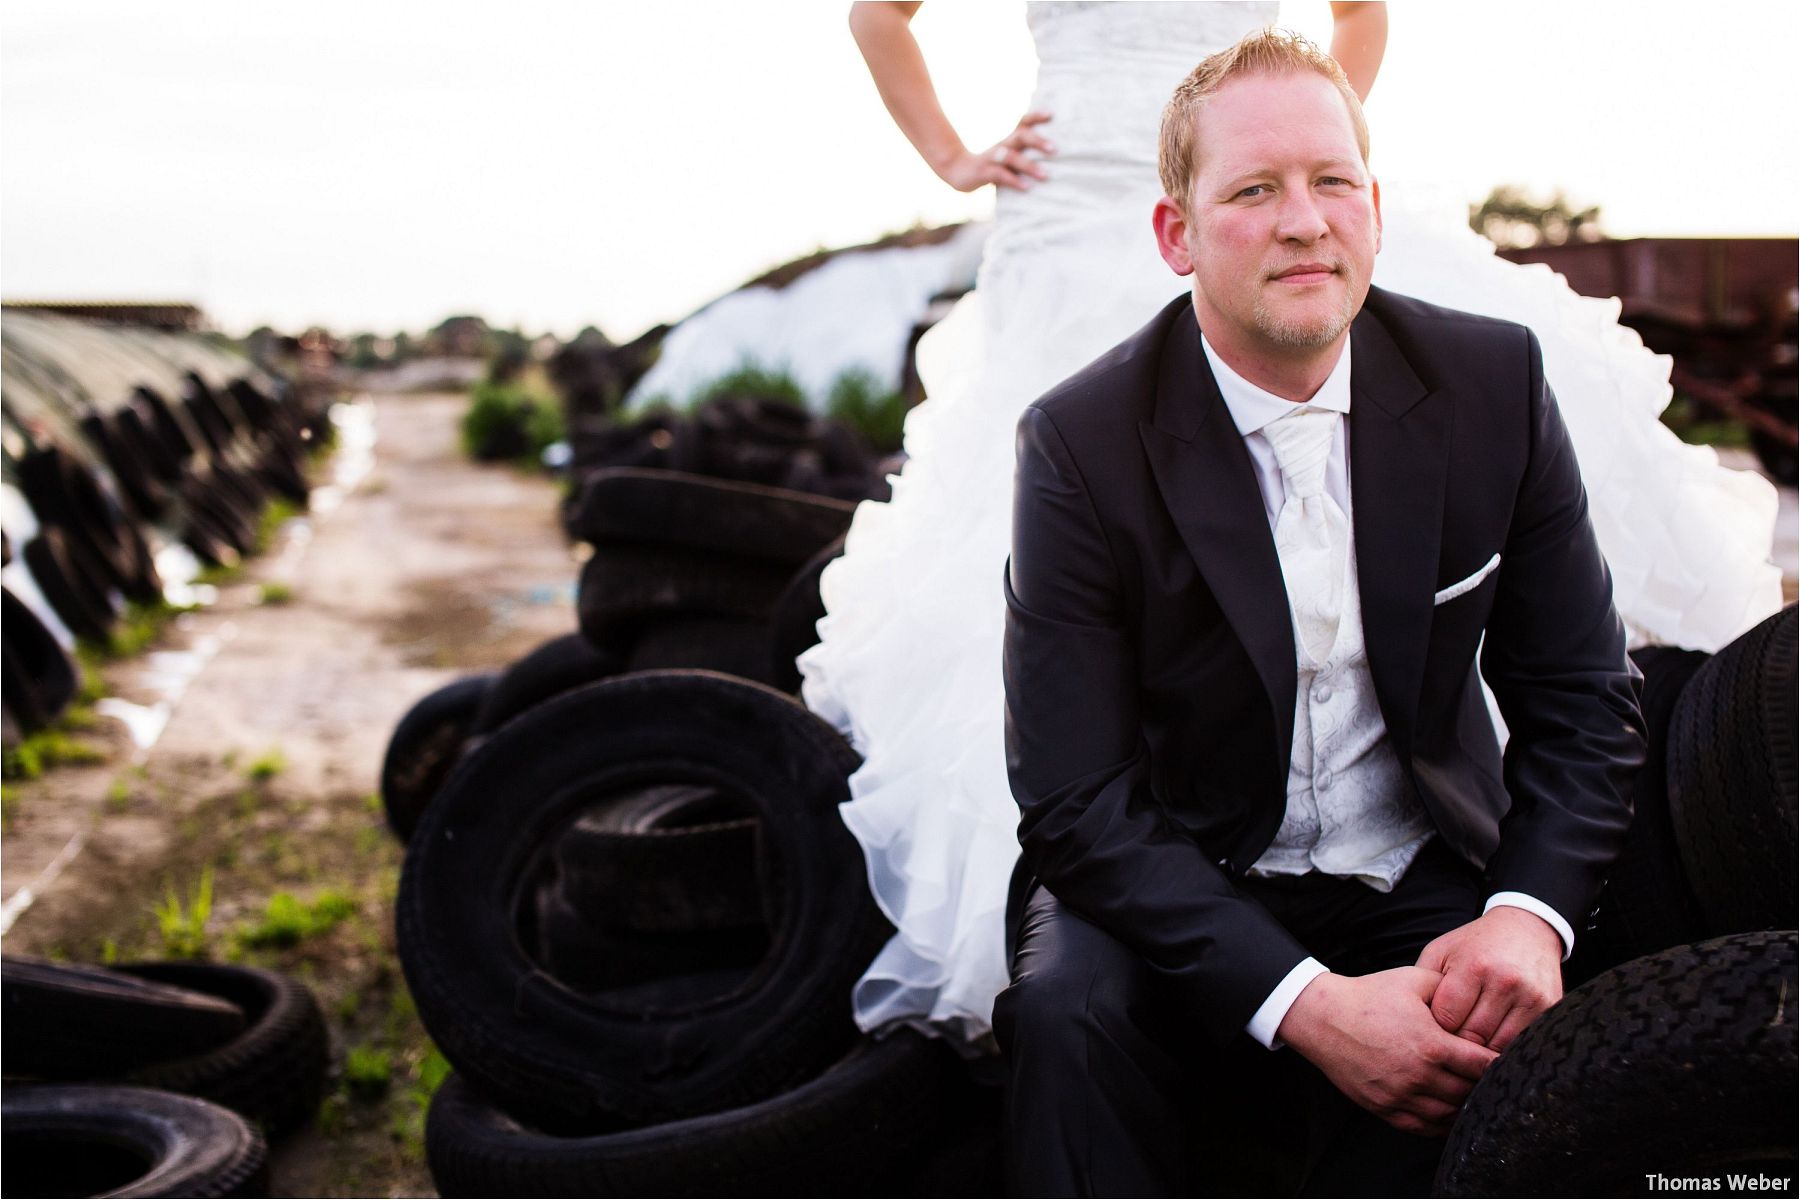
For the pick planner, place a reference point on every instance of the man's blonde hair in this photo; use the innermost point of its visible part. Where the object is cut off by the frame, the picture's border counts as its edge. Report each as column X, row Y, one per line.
column 1266, row 52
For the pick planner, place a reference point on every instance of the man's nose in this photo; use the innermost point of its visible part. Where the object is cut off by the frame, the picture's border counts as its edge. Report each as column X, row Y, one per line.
column 1300, row 218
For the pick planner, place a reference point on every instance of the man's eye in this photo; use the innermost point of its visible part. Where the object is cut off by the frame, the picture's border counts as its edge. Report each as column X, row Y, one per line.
column 1254, row 189
column 1333, row 180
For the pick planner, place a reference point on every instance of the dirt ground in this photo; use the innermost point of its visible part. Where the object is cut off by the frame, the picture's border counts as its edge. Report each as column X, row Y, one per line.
column 263, row 784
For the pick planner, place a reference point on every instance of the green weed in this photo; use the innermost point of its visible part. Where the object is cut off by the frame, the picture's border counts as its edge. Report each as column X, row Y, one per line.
column 45, row 749
column 753, row 380
column 267, row 765
column 367, row 1072
column 287, row 921
column 859, row 401
column 277, row 593
column 183, row 927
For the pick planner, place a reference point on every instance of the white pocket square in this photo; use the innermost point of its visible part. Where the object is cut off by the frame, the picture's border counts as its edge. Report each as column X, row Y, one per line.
column 1466, row 585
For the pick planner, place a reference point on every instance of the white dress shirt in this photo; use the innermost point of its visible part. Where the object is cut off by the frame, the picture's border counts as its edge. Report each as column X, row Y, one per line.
column 1251, row 409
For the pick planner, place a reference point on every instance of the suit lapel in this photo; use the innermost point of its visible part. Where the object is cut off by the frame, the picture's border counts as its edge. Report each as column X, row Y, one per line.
column 1209, row 485
column 1398, row 462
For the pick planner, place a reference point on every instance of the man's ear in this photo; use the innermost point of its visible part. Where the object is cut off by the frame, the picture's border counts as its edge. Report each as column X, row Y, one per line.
column 1375, row 192
column 1171, row 225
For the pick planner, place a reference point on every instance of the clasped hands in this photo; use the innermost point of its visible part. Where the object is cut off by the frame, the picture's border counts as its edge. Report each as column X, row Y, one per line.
column 1408, row 1044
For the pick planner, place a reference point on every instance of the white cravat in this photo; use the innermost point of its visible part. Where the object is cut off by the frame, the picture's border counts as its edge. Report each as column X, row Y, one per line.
column 1311, row 531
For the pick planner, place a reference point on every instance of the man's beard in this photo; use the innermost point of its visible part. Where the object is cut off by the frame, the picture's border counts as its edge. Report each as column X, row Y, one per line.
column 1308, row 332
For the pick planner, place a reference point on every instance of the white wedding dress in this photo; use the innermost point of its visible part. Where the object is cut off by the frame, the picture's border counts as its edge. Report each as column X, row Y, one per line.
column 909, row 662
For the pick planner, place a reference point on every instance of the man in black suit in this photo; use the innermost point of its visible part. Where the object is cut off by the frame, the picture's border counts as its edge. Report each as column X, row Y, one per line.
column 1257, row 548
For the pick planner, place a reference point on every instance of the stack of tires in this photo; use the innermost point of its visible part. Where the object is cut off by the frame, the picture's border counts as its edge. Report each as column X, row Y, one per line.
column 153, row 1079
column 1676, row 1055
column 117, row 443
column 629, row 913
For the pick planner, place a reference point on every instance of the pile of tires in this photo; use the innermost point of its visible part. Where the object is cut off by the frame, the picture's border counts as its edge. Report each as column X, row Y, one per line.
column 630, row 915
column 155, row 1078
column 1712, row 847
column 631, row 919
column 119, row 442
column 743, row 438
column 1675, row 1056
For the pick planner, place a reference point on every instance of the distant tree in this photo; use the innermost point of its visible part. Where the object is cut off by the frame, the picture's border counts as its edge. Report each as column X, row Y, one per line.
column 1513, row 218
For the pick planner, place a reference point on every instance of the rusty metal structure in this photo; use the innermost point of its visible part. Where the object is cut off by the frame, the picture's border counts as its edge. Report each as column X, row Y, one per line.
column 1723, row 308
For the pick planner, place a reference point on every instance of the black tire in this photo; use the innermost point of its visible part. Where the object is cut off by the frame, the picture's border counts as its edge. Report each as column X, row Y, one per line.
column 274, row 1071
column 796, row 621
column 64, row 493
column 730, row 645
column 566, row 1060
column 623, row 586
column 1732, row 781
column 648, row 972
column 425, row 745
column 40, row 677
column 1681, row 1063
column 663, row 859
column 1777, row 455
column 103, row 1140
column 61, row 571
column 669, row 508
column 1646, row 904
column 860, row 1128
column 559, row 665
column 65, row 1021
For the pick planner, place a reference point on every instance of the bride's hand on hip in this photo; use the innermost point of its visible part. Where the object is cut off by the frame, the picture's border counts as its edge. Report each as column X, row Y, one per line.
column 1006, row 163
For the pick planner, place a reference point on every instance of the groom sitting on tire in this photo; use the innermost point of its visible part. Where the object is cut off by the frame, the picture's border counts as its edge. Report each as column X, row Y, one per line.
column 1256, row 550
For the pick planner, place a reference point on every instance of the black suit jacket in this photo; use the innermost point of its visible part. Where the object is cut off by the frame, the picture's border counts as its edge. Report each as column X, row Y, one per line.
column 1149, row 656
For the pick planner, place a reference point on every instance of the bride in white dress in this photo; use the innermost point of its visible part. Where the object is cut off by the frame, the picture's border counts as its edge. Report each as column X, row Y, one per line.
column 909, row 662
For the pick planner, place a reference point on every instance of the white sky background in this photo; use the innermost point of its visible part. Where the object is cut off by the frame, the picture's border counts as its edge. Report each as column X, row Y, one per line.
column 550, row 165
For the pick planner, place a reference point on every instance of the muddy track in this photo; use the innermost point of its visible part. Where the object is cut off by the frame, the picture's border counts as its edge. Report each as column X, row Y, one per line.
column 431, row 567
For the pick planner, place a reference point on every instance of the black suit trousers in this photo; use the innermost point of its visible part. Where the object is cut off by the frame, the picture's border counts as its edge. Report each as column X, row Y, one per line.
column 1114, row 1091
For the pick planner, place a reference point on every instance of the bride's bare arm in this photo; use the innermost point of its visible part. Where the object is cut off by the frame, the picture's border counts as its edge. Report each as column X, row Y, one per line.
column 1358, row 40
column 884, row 35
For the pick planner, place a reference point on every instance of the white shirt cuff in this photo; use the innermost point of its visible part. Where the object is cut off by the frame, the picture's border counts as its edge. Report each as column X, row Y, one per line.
column 1536, row 908
column 1268, row 1018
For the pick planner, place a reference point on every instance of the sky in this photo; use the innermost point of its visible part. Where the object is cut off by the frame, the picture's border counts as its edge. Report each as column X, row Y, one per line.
column 553, row 165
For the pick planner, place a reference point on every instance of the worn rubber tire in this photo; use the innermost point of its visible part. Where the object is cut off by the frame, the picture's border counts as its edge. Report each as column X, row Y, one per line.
column 774, row 525
column 425, row 746
column 40, row 677
column 1645, row 904
column 559, row 665
column 798, row 611
column 625, row 586
column 274, row 1071
column 562, row 1059
column 642, row 863
column 65, row 1021
column 61, row 571
column 1732, row 781
column 859, row 1128
column 683, row 641
column 1681, row 1063
column 104, row 1140
column 661, row 971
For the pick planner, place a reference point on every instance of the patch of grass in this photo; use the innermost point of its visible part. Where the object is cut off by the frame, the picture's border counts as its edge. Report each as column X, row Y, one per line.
column 859, row 401
column 118, row 795
column 219, row 573
column 277, row 593
column 183, row 927
column 424, row 1080
column 367, row 1072
column 287, row 921
column 138, row 627
column 275, row 514
column 267, row 765
column 9, row 807
column 754, row 380
column 47, row 748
